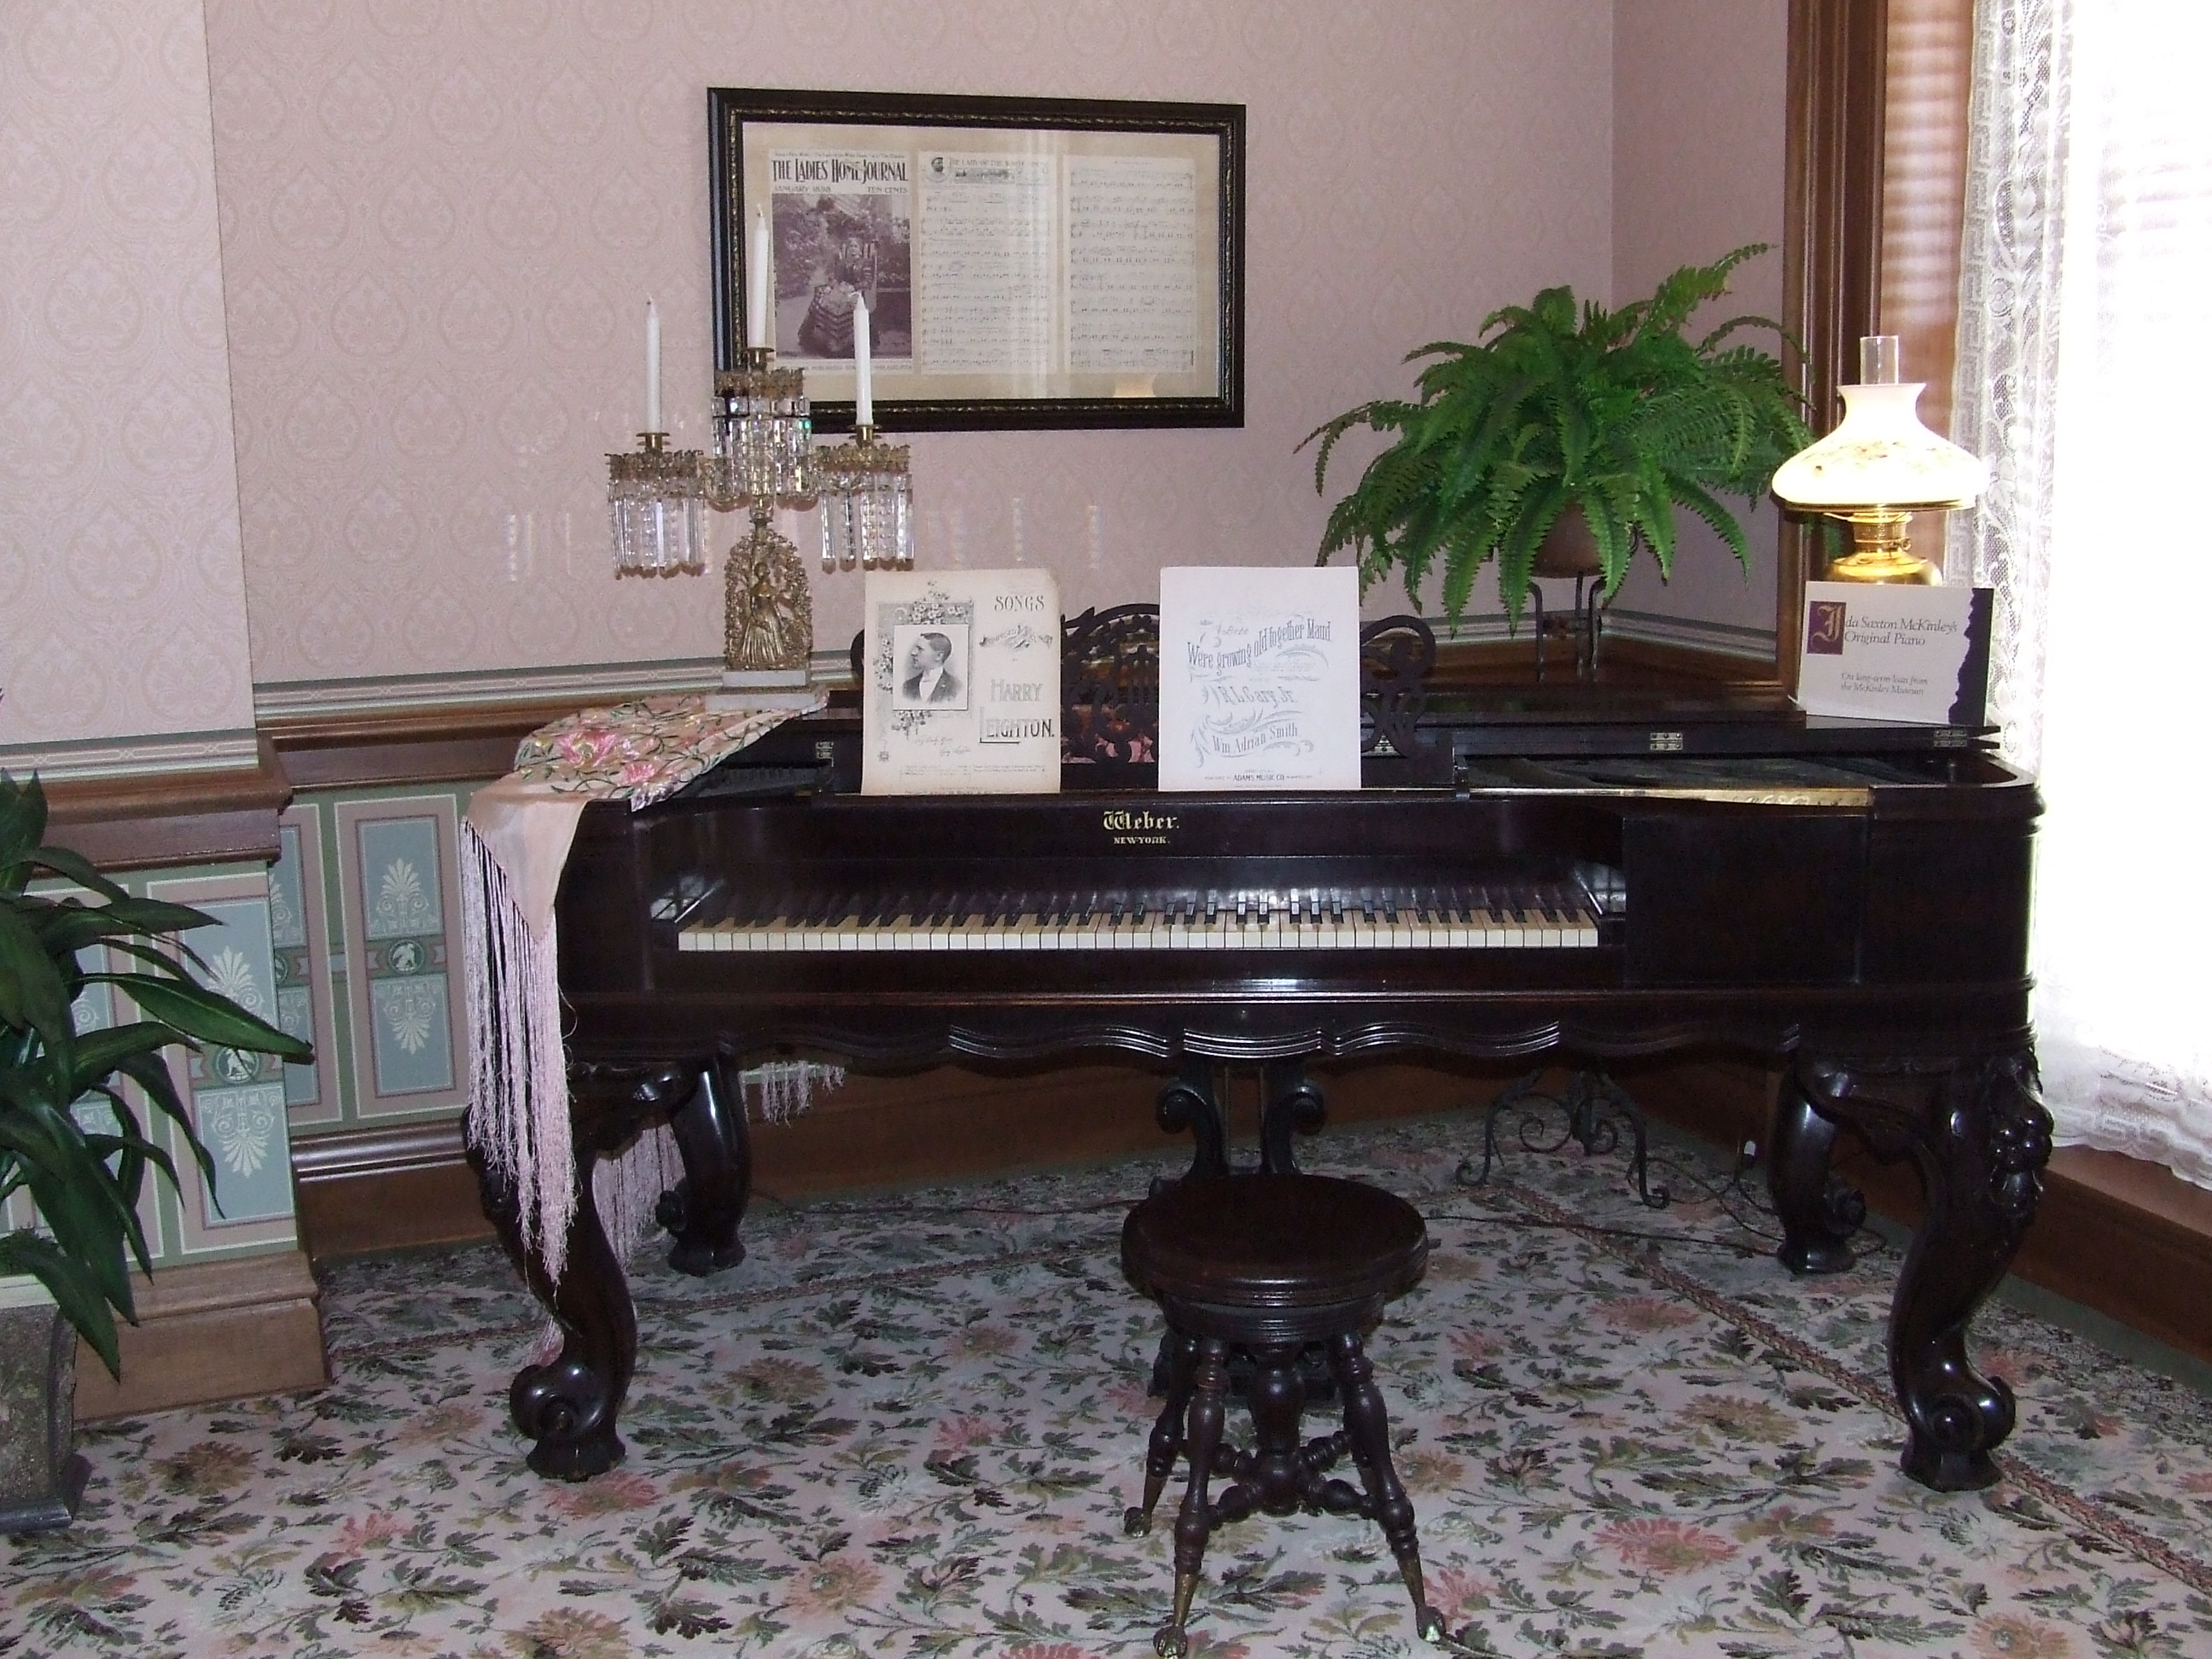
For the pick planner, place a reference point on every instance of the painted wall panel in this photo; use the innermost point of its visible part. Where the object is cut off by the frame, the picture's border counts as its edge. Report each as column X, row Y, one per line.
column 237, row 1098
column 402, row 921
column 299, row 926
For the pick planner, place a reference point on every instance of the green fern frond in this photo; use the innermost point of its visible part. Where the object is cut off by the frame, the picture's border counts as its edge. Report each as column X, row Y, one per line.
column 1559, row 403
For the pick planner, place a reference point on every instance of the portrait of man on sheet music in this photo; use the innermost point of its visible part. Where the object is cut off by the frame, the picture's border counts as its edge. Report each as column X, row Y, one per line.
column 932, row 665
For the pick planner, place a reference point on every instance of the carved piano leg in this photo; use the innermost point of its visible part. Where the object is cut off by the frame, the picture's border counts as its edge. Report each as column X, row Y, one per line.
column 1190, row 1102
column 1980, row 1137
column 569, row 1407
column 1290, row 1103
column 1819, row 1210
column 703, row 1211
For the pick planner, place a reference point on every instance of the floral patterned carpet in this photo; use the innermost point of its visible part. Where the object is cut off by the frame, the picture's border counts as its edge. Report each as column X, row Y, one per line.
column 909, row 1426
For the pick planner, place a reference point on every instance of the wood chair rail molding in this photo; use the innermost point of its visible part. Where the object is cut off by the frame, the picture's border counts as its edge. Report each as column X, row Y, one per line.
column 163, row 820
column 451, row 742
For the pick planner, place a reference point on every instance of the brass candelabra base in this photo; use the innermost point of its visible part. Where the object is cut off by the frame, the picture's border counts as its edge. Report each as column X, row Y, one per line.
column 768, row 616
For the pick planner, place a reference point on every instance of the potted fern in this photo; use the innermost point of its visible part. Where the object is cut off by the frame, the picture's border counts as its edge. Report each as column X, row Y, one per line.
column 1559, row 410
column 85, row 1180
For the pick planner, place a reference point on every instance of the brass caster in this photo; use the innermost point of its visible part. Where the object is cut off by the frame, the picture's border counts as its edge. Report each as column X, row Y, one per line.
column 1171, row 1643
column 1135, row 1521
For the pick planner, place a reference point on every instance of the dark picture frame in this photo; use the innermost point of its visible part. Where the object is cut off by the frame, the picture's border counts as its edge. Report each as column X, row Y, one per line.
column 1029, row 257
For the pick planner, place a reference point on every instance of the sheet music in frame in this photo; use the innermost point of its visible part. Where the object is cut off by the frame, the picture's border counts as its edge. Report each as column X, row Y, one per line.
column 1259, row 678
column 960, row 683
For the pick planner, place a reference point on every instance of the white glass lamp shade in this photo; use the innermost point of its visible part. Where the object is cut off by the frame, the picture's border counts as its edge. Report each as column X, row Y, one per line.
column 1880, row 456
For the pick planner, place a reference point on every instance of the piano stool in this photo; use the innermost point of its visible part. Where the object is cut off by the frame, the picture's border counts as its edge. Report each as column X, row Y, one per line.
column 1267, row 1264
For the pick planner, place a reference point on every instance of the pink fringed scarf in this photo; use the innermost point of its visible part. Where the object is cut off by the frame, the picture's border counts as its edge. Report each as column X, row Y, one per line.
column 514, row 842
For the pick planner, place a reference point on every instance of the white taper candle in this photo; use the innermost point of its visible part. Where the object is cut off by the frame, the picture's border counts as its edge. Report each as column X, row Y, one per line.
column 757, row 290
column 864, row 402
column 652, row 366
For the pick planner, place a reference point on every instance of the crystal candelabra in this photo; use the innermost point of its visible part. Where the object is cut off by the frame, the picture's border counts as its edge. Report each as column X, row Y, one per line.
column 868, row 505
column 763, row 457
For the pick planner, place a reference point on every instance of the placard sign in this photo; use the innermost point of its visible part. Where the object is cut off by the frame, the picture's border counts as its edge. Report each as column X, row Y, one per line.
column 1259, row 678
column 1920, row 655
column 960, row 682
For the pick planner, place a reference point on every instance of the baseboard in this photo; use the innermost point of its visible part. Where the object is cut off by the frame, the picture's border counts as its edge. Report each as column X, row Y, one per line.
column 239, row 1327
column 387, row 1187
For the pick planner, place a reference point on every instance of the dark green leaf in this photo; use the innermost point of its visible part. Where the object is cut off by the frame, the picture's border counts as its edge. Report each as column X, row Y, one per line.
column 205, row 1015
column 74, row 1289
column 32, row 996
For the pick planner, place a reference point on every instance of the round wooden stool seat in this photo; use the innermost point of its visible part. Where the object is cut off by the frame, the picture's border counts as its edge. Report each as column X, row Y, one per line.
column 1268, row 1265
column 1256, row 1258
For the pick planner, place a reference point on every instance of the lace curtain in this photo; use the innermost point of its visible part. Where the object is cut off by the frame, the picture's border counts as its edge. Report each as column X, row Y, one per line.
column 2084, row 362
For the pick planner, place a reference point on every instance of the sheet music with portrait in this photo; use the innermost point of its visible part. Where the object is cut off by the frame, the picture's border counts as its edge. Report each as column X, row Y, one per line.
column 1259, row 678
column 960, row 683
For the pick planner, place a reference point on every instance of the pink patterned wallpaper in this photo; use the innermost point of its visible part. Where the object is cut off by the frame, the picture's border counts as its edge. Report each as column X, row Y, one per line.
column 122, row 589
column 1697, row 171
column 440, row 222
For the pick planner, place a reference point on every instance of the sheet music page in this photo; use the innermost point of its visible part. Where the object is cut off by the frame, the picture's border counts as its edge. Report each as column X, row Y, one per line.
column 1132, row 263
column 1259, row 678
column 986, row 272
column 960, row 683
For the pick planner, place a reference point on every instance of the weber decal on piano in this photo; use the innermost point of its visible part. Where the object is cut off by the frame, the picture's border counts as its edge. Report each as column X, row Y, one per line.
column 1141, row 829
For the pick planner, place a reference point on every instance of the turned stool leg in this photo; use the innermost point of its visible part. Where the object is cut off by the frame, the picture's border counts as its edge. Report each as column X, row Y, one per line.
column 1369, row 1424
column 1196, row 1519
column 1277, row 1397
column 1166, row 1444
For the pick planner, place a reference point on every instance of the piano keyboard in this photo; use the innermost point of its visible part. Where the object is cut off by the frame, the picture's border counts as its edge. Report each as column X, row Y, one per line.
column 1547, row 916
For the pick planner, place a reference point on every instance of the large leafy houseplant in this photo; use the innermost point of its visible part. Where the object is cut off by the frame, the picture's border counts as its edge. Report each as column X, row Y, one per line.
column 86, row 1182
column 1556, row 407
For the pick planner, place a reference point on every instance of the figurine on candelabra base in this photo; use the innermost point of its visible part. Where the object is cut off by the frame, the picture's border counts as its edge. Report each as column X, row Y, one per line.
column 768, row 623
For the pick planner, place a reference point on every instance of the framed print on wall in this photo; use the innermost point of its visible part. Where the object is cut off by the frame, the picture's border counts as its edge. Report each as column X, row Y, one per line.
column 1025, row 262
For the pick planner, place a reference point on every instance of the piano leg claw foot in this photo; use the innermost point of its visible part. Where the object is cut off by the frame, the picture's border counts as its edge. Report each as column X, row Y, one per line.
column 1979, row 1130
column 566, row 1410
column 704, row 1261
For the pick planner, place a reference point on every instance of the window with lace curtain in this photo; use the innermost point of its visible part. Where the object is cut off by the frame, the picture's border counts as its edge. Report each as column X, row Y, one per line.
column 2084, row 362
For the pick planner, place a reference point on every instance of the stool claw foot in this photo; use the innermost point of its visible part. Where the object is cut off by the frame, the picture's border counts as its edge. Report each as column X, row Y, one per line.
column 1171, row 1642
column 1136, row 1521
column 1427, row 1620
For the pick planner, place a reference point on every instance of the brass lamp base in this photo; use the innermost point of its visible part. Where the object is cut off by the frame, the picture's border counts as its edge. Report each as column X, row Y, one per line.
column 1882, row 551
column 1902, row 568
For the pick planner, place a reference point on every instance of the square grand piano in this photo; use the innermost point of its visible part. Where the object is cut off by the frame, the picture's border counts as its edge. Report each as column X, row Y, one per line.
column 1575, row 870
